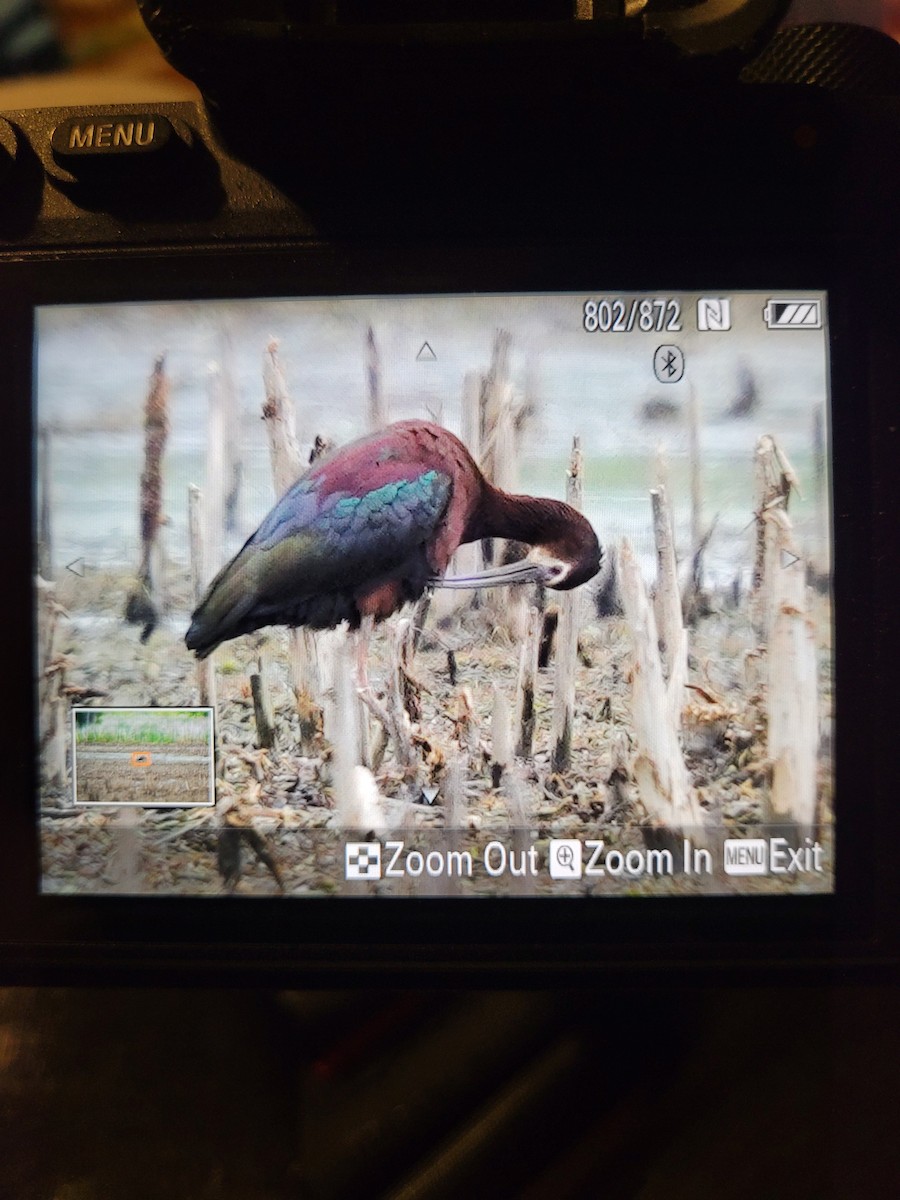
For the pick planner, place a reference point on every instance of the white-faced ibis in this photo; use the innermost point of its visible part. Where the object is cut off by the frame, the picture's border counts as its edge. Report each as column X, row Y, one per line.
column 372, row 526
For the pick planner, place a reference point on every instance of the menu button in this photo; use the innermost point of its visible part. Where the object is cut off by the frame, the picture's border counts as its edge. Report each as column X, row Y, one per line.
column 131, row 133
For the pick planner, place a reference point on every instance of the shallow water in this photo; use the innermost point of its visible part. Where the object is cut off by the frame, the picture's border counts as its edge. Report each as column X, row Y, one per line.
column 590, row 385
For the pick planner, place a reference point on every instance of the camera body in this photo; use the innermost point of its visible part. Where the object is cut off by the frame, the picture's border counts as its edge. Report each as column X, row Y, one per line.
column 635, row 168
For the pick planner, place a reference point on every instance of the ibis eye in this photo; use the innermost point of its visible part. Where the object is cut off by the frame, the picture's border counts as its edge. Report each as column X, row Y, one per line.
column 555, row 574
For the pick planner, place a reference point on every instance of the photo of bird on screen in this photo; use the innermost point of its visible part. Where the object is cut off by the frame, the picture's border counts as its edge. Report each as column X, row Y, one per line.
column 371, row 527
column 466, row 618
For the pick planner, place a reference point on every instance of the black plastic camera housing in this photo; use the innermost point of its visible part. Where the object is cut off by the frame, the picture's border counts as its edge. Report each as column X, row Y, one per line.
column 454, row 158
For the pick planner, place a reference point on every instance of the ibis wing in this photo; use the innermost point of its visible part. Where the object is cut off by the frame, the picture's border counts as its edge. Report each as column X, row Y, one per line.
column 314, row 553
column 313, row 543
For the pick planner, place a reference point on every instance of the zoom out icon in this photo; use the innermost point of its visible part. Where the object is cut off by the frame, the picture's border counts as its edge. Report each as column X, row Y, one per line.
column 362, row 860
column 565, row 858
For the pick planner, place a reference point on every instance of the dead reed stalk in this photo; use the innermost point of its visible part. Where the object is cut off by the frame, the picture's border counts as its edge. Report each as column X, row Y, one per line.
column 54, row 708
column 358, row 805
column 378, row 417
column 669, row 618
column 262, row 707
column 567, row 639
column 501, row 737
column 281, row 423
column 234, row 467
column 214, row 474
column 526, row 684
column 126, row 866
column 287, row 467
column 774, row 479
column 793, row 718
column 206, row 675
column 659, row 767
column 45, row 529
column 145, row 600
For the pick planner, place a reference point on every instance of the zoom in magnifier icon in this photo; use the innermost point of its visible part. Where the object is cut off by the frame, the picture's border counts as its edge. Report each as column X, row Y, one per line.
column 565, row 858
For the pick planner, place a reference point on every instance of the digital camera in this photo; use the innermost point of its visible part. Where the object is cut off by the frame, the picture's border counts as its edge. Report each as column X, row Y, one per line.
column 450, row 496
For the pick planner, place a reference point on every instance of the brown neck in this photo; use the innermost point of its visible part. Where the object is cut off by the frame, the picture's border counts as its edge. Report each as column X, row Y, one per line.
column 529, row 519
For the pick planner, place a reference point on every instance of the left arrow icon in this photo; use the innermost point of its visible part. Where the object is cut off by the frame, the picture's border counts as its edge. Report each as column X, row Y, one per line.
column 76, row 566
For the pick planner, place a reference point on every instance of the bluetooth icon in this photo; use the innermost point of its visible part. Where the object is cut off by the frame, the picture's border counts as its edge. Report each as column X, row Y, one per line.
column 668, row 364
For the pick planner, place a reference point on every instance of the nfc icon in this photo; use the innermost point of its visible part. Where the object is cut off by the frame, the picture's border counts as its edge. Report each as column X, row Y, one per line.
column 362, row 860
column 713, row 314
column 565, row 858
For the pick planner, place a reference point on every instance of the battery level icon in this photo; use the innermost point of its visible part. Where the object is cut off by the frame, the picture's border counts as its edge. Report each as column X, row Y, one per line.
column 793, row 314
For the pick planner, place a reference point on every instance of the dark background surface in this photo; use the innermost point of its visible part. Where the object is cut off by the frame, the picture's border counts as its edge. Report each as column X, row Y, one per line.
column 651, row 1091
column 721, row 1092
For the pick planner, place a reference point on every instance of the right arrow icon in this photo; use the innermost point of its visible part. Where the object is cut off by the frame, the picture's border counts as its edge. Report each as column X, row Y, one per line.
column 788, row 558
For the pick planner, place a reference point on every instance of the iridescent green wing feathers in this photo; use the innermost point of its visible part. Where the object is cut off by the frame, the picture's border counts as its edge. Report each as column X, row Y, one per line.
column 317, row 548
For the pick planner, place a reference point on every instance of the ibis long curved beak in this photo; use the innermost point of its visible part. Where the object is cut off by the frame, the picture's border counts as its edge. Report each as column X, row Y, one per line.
column 517, row 572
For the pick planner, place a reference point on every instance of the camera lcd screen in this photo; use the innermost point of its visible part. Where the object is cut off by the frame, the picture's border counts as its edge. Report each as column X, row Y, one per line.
column 308, row 625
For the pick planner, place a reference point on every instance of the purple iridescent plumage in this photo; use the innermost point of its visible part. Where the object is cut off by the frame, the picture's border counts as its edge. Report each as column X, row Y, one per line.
column 371, row 527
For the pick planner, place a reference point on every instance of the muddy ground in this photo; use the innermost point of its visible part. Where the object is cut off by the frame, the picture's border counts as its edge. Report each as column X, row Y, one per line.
column 133, row 774
column 288, row 798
